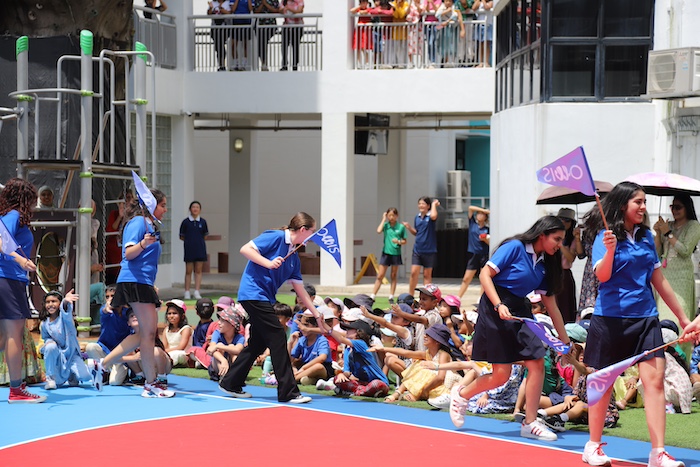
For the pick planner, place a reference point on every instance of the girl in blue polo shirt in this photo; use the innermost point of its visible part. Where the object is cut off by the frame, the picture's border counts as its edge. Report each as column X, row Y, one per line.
column 525, row 262
column 16, row 202
column 269, row 266
column 625, row 321
column 425, row 247
column 141, row 248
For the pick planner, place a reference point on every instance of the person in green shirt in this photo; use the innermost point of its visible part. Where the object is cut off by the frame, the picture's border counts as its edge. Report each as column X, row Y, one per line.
column 394, row 236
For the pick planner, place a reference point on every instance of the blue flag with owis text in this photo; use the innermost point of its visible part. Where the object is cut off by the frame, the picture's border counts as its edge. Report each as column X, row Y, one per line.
column 327, row 238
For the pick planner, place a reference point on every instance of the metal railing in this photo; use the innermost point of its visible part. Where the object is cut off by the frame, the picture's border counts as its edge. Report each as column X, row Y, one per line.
column 158, row 33
column 246, row 43
column 424, row 44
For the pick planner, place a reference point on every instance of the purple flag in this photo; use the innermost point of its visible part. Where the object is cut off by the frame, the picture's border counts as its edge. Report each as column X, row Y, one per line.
column 570, row 171
column 601, row 380
column 540, row 331
column 327, row 238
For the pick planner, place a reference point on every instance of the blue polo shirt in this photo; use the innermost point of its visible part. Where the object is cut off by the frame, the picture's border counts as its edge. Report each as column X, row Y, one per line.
column 362, row 364
column 9, row 269
column 144, row 267
column 114, row 328
column 475, row 244
column 426, row 238
column 628, row 292
column 260, row 283
column 308, row 352
column 518, row 268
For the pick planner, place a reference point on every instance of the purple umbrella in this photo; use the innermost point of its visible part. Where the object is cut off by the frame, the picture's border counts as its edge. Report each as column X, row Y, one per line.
column 563, row 195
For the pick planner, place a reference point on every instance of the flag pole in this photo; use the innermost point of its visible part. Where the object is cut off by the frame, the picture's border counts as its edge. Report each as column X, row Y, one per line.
column 294, row 250
column 602, row 213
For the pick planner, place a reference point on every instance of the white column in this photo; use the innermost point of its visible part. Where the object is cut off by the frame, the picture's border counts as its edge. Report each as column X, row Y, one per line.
column 243, row 197
column 338, row 192
column 337, row 142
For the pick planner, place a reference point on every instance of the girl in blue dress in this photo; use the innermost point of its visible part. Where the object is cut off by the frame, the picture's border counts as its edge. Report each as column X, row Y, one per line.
column 525, row 262
column 141, row 248
column 625, row 321
column 194, row 232
column 16, row 202
column 267, row 269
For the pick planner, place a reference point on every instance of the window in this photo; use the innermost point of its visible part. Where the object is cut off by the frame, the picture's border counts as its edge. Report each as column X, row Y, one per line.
column 572, row 50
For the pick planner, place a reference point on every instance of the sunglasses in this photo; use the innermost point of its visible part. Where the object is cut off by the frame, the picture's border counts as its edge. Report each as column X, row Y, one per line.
column 676, row 207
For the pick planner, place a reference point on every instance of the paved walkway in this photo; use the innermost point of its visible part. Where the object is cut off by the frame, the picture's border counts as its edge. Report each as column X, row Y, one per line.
column 228, row 283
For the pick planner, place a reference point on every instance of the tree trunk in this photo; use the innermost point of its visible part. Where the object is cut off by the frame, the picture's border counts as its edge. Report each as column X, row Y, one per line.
column 110, row 21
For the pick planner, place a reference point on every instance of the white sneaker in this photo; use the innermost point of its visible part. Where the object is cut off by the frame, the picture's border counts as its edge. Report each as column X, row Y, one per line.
column 440, row 402
column 458, row 407
column 537, row 430
column 197, row 295
column 156, row 389
column 323, row 385
column 593, row 454
column 50, row 384
column 97, row 372
column 187, row 295
column 299, row 400
column 663, row 459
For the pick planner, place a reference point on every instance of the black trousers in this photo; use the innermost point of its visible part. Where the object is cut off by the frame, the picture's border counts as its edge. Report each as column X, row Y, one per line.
column 265, row 332
column 291, row 36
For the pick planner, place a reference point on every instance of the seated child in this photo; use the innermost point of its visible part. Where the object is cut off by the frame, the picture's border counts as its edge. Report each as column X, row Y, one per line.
column 199, row 353
column 164, row 364
column 226, row 343
column 205, row 310
column 114, row 328
column 405, row 332
column 311, row 355
column 362, row 375
column 61, row 349
column 418, row 382
column 695, row 372
column 177, row 335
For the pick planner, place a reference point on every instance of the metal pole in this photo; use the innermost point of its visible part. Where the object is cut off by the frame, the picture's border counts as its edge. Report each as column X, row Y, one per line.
column 140, row 102
column 85, row 209
column 22, row 53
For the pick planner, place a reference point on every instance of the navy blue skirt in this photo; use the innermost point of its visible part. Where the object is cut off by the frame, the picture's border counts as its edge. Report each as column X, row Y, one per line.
column 611, row 340
column 505, row 341
column 13, row 300
column 133, row 292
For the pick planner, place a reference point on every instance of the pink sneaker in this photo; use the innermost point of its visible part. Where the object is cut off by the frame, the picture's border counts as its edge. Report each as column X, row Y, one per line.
column 458, row 406
column 664, row 459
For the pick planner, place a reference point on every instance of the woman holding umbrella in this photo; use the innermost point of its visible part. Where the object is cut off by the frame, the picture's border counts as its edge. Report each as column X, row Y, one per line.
column 675, row 242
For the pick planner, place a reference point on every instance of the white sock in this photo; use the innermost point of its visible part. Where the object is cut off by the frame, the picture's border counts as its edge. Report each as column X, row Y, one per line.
column 371, row 296
column 542, row 412
column 657, row 451
column 564, row 417
column 164, row 376
column 391, row 297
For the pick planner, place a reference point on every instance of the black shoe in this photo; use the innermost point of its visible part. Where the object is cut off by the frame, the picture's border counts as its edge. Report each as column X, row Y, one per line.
column 221, row 68
column 284, row 68
column 238, row 393
column 555, row 423
column 391, row 301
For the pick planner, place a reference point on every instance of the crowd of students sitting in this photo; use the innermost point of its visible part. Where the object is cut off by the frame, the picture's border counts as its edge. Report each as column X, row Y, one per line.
column 420, row 347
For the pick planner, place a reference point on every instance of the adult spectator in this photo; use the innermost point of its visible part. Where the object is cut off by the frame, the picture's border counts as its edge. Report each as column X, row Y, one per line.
column 267, row 27
column 292, row 31
column 152, row 5
column 218, row 32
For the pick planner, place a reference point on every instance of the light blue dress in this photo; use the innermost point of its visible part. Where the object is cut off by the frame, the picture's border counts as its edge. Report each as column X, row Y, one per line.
column 61, row 349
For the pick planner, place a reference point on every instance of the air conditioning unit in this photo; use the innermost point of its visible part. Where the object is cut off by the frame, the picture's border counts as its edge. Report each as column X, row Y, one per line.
column 673, row 73
column 459, row 190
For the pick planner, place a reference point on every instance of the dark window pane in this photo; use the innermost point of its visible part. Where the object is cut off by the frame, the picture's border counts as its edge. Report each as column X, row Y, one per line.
column 574, row 18
column 625, row 68
column 628, row 18
column 517, row 80
column 527, row 78
column 573, row 70
column 536, row 6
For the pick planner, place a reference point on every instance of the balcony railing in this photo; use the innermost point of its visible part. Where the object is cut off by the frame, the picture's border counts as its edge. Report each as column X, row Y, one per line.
column 251, row 43
column 158, row 33
column 424, row 44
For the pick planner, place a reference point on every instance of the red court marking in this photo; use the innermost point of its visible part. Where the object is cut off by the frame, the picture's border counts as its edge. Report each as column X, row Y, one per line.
column 280, row 436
